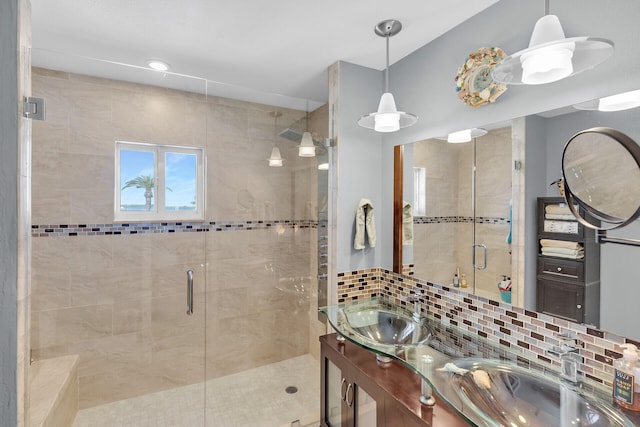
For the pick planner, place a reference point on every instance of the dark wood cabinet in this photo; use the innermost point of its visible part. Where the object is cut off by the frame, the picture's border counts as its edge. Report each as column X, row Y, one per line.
column 357, row 391
column 567, row 288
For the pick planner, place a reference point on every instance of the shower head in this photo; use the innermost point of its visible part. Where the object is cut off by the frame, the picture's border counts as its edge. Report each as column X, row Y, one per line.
column 291, row 134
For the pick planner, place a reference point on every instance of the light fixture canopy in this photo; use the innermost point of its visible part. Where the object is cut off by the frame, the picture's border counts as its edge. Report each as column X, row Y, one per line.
column 158, row 65
column 465, row 135
column 550, row 56
column 618, row 102
column 387, row 118
column 306, row 147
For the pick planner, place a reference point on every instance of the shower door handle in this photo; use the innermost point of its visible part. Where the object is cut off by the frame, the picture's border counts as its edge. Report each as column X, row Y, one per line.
column 473, row 255
column 189, row 292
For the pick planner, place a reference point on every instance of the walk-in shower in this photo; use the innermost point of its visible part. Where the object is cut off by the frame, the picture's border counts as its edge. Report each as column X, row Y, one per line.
column 115, row 293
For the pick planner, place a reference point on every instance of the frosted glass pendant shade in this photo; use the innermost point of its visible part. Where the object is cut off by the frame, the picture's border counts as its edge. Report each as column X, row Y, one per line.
column 465, row 135
column 621, row 101
column 306, row 147
column 618, row 102
column 275, row 161
column 387, row 118
column 551, row 57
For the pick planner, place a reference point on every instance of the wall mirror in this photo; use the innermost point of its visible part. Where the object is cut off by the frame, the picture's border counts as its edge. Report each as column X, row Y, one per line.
column 463, row 199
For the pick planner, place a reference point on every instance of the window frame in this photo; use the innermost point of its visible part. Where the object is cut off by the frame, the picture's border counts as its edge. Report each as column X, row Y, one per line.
column 159, row 213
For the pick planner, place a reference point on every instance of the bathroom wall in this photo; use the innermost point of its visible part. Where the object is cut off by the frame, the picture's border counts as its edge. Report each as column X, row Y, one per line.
column 359, row 162
column 115, row 293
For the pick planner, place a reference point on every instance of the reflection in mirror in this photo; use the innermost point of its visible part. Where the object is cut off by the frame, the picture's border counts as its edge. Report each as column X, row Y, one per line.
column 461, row 200
column 439, row 246
column 603, row 175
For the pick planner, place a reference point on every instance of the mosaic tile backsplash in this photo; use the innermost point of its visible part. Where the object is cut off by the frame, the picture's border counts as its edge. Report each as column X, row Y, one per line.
column 521, row 330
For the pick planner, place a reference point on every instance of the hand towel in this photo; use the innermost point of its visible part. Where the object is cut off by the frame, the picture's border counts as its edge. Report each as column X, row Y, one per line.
column 407, row 223
column 560, row 244
column 365, row 225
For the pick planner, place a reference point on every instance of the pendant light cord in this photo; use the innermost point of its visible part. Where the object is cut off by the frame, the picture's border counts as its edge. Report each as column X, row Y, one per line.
column 546, row 7
column 386, row 71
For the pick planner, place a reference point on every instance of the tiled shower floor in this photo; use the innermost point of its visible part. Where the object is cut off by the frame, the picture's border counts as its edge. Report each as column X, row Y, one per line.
column 253, row 398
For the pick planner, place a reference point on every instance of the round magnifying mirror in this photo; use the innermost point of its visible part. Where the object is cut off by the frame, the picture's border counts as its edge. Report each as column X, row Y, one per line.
column 601, row 170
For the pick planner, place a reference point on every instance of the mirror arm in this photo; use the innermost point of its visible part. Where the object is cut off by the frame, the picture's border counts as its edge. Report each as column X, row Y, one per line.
column 601, row 237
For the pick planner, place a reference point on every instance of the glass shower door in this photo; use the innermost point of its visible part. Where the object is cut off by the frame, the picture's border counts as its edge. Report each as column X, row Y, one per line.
column 492, row 194
column 110, row 297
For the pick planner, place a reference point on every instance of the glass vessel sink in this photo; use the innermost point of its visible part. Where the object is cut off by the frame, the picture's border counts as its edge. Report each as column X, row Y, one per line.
column 386, row 327
column 516, row 396
column 504, row 394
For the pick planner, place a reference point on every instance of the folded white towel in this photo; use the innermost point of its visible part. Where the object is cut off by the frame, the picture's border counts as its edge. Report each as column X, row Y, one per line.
column 560, row 216
column 561, row 209
column 407, row 223
column 559, row 252
column 551, row 243
column 365, row 224
column 550, row 250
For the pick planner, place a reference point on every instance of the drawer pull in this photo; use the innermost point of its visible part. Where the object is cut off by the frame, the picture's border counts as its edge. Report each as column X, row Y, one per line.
column 559, row 268
column 562, row 274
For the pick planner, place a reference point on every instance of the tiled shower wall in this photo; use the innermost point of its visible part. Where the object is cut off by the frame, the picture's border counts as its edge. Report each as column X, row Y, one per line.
column 443, row 237
column 116, row 294
column 523, row 331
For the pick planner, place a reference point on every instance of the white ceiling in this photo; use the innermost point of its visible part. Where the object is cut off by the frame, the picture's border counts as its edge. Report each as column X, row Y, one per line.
column 254, row 48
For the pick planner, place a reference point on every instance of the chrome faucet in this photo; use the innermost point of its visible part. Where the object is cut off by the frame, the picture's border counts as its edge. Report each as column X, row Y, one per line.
column 568, row 352
column 414, row 296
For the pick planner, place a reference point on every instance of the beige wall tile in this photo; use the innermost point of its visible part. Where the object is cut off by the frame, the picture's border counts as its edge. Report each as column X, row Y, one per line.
column 70, row 325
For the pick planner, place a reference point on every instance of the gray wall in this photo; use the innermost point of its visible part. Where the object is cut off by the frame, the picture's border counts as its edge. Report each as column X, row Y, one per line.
column 9, row 123
column 534, row 168
column 359, row 166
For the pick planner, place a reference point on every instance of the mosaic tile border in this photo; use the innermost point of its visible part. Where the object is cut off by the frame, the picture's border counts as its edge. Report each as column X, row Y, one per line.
column 525, row 332
column 71, row 230
column 459, row 219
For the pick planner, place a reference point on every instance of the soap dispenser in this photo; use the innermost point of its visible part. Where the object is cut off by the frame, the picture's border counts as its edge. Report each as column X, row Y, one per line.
column 626, row 380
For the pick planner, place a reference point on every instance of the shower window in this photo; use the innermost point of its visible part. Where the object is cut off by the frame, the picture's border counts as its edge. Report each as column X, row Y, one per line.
column 419, row 191
column 158, row 182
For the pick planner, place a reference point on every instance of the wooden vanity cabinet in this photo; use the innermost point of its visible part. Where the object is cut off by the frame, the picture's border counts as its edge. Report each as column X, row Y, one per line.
column 568, row 288
column 358, row 392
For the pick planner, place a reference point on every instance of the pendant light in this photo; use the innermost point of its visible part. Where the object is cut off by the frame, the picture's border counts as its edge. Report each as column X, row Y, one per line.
column 306, row 147
column 550, row 56
column 387, row 118
column 465, row 135
column 618, row 102
column 275, row 161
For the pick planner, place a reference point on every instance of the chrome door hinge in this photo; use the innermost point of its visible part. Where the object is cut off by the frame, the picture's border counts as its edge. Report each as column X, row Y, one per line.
column 34, row 108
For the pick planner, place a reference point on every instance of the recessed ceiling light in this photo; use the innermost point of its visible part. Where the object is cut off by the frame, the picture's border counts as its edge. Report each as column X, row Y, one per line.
column 158, row 65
